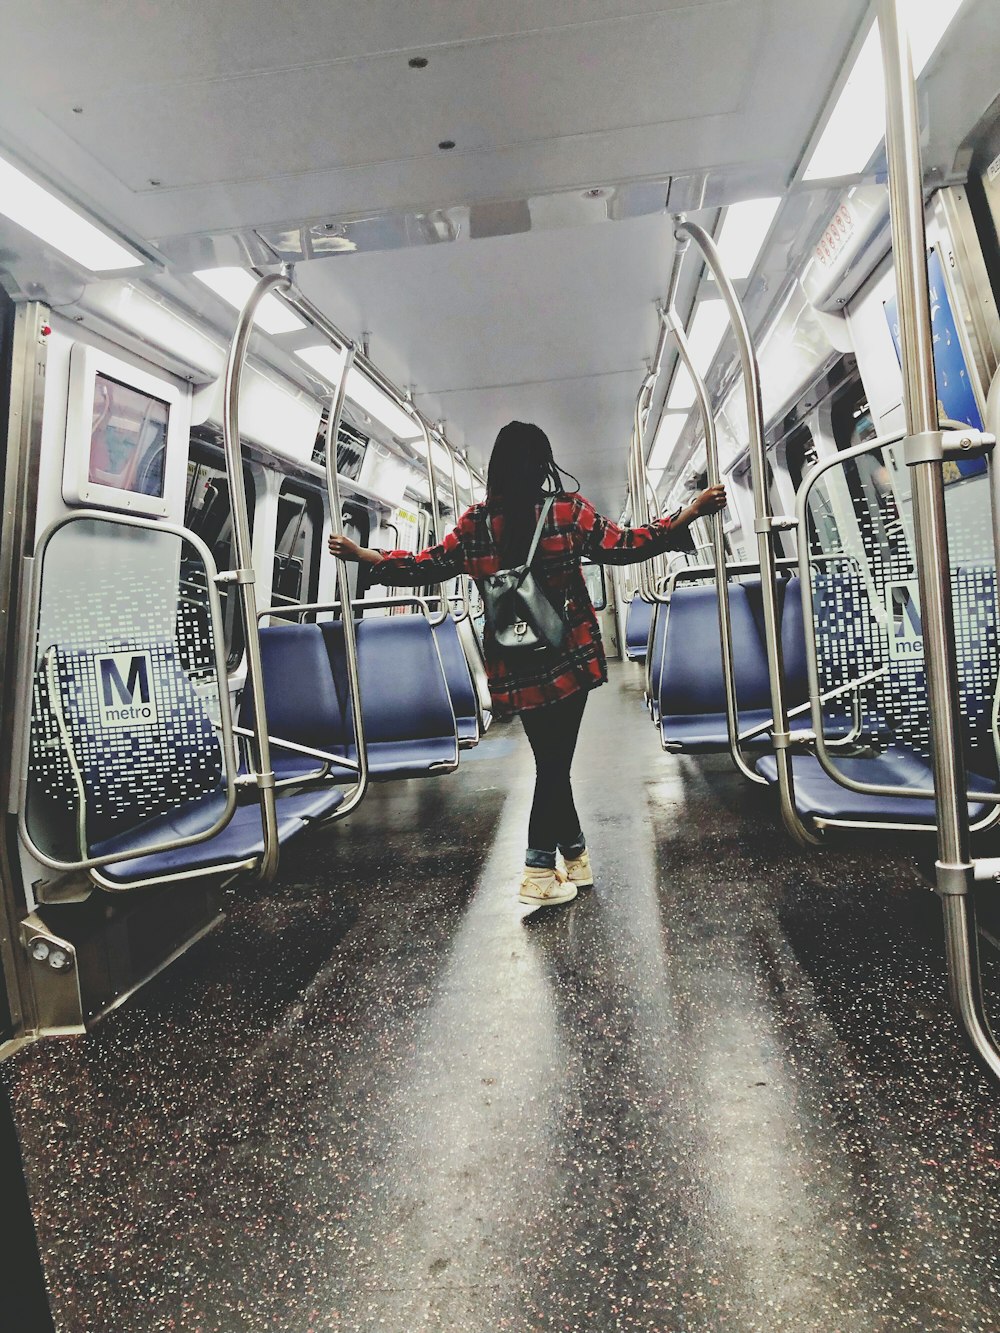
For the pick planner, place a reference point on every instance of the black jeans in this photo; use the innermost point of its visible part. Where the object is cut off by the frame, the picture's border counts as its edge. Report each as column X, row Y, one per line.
column 552, row 733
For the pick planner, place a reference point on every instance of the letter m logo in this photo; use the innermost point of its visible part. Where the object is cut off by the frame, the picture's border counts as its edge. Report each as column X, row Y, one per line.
column 125, row 689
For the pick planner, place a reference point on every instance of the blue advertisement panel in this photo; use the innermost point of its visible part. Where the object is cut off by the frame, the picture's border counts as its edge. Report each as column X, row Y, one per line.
column 956, row 397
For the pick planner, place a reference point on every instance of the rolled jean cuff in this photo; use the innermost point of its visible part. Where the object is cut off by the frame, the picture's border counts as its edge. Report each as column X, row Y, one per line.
column 575, row 848
column 536, row 859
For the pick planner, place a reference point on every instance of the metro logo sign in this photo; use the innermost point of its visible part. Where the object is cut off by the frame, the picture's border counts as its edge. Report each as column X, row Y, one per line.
column 125, row 689
column 906, row 633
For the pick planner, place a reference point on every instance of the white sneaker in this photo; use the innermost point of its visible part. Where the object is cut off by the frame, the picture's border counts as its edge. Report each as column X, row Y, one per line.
column 544, row 888
column 578, row 870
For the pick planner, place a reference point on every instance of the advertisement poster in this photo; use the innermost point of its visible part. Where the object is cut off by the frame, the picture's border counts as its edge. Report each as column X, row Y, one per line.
column 956, row 397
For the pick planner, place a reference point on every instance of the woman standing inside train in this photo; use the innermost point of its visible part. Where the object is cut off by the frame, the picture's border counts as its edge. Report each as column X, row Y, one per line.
column 547, row 687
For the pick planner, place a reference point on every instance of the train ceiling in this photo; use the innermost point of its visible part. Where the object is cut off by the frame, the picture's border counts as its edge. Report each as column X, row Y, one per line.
column 228, row 132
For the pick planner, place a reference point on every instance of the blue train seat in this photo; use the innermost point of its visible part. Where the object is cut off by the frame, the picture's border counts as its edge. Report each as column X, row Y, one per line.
column 692, row 689
column 237, row 845
column 158, row 777
column 459, row 680
column 655, row 663
column 302, row 700
column 837, row 721
column 818, row 796
column 637, row 620
column 409, row 721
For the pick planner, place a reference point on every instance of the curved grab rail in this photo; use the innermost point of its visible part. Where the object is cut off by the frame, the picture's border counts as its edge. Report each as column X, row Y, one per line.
column 344, row 588
column 243, row 574
column 781, row 738
column 463, row 581
column 435, row 503
column 676, row 329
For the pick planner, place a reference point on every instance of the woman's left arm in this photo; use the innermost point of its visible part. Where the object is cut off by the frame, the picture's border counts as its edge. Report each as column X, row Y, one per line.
column 404, row 569
column 608, row 544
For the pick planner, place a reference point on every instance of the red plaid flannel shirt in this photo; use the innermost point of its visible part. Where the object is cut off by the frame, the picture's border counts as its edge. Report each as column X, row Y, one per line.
column 573, row 531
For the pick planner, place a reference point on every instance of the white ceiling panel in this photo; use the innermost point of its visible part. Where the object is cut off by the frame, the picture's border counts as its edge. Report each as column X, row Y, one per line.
column 484, row 96
column 551, row 326
column 252, row 116
column 121, row 44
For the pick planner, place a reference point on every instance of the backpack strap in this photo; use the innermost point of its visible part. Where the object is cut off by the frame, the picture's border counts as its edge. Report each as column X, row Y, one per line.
column 538, row 531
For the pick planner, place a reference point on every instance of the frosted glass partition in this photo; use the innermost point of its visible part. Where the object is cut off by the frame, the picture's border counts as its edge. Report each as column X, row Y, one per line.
column 866, row 601
column 130, row 725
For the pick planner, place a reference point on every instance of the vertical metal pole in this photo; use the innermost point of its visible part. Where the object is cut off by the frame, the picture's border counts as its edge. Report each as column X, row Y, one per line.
column 435, row 503
column 923, row 453
column 463, row 581
column 780, row 736
column 20, row 455
column 344, row 586
column 673, row 326
column 260, row 746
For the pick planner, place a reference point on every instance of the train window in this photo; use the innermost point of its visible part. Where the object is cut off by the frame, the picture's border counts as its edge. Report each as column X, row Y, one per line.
column 800, row 454
column 297, row 545
column 208, row 514
column 596, row 586
column 851, row 418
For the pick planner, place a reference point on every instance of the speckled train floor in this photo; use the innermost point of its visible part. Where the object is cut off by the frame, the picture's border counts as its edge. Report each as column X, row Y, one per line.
column 721, row 1091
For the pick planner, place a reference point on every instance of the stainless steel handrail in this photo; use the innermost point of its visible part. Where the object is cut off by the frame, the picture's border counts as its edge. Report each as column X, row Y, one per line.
column 463, row 581
column 225, row 715
column 781, row 738
column 954, row 870
column 435, row 503
column 243, row 574
column 344, row 587
column 674, row 326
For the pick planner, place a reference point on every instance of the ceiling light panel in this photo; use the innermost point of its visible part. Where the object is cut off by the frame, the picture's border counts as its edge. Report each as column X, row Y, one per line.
column 744, row 230
column 40, row 212
column 329, row 361
column 234, row 285
column 666, row 440
column 682, row 394
column 711, row 320
column 856, row 125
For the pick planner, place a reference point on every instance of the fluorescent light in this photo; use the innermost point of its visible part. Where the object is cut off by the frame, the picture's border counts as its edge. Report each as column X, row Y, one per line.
column 667, row 435
column 655, row 477
column 744, row 230
column 442, row 463
column 682, row 394
column 711, row 320
column 857, row 122
column 329, row 361
column 928, row 21
column 856, row 125
column 37, row 210
column 234, row 285
column 370, row 398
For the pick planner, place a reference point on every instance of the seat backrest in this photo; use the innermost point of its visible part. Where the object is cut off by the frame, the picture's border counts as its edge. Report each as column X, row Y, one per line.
column 139, row 736
column 793, row 644
column 661, row 613
column 403, row 689
column 303, row 704
column 472, row 645
column 692, row 683
column 456, row 668
column 637, row 620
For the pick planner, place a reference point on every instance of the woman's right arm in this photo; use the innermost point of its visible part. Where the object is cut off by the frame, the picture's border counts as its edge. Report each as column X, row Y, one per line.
column 608, row 544
column 404, row 569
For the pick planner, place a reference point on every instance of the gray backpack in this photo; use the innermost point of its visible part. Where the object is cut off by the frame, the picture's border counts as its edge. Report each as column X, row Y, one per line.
column 517, row 610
